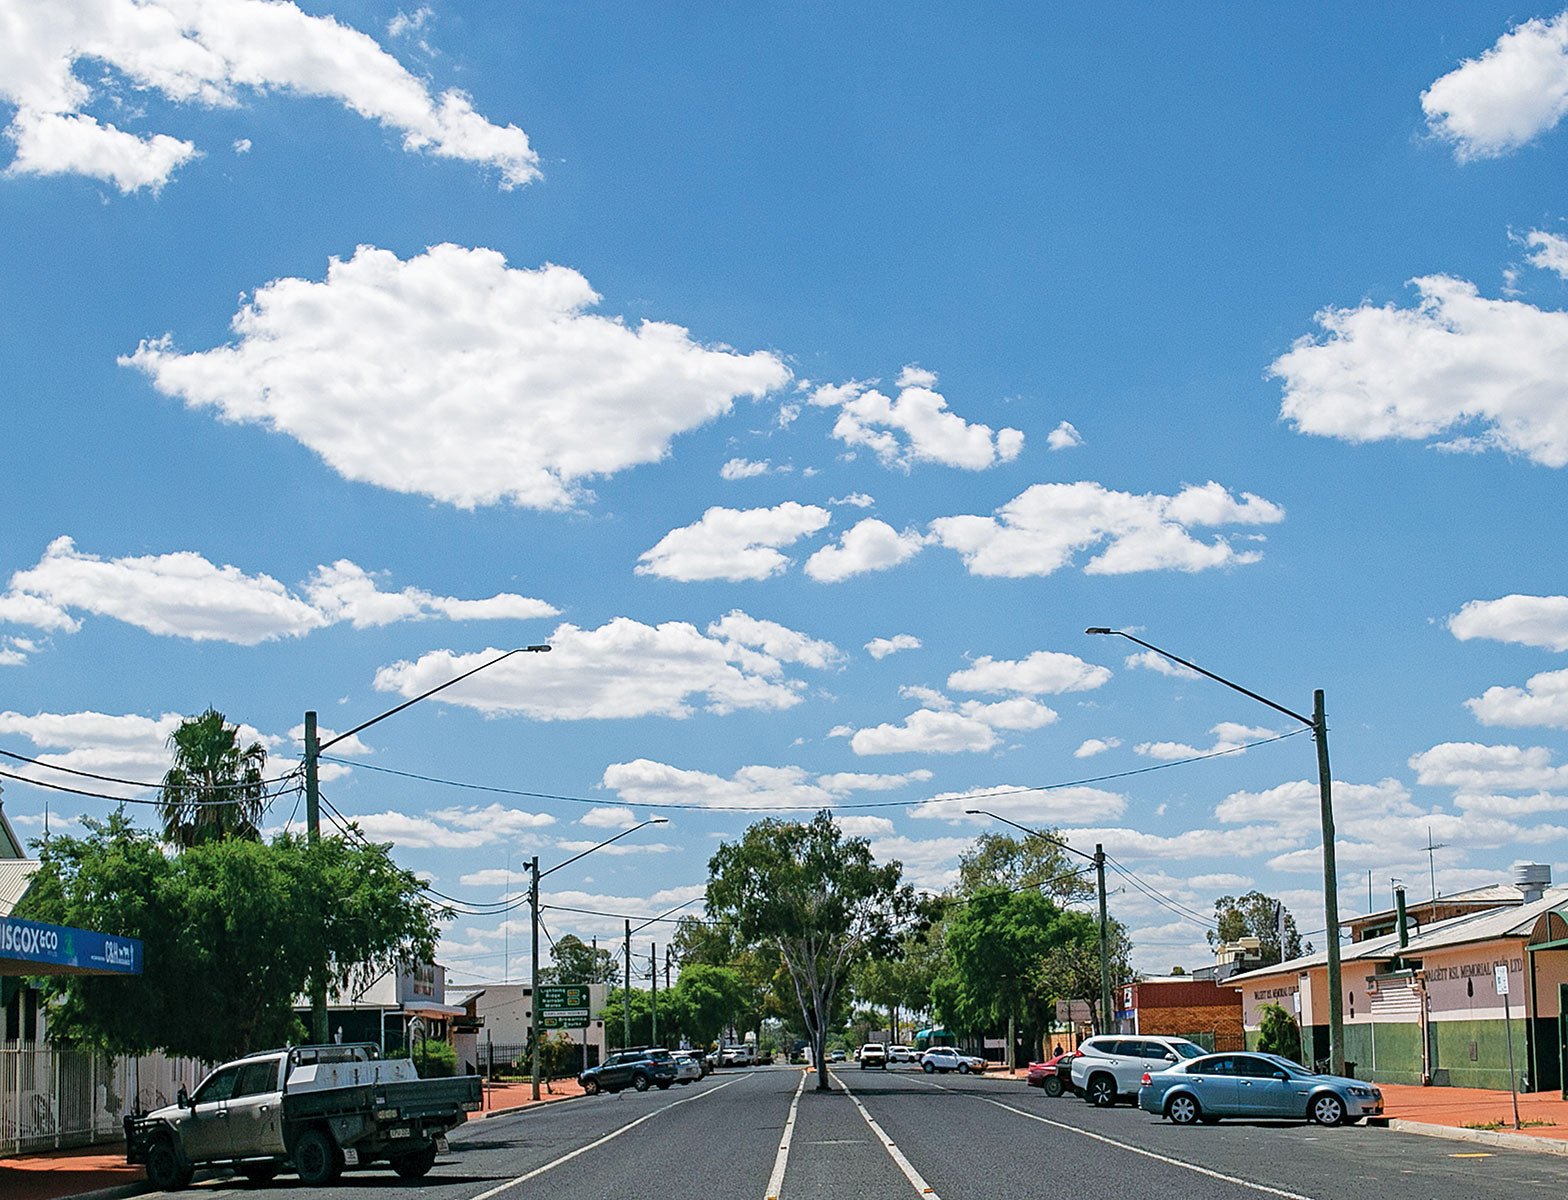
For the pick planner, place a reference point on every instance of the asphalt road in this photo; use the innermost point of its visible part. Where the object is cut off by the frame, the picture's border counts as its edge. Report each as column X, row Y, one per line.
column 756, row 1134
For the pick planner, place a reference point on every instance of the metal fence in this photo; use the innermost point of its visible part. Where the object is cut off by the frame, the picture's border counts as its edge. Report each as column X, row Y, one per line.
column 50, row 1097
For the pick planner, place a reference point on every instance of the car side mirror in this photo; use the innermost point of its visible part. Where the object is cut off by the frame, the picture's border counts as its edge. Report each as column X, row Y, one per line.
column 1170, row 1056
column 182, row 1099
column 1281, row 1074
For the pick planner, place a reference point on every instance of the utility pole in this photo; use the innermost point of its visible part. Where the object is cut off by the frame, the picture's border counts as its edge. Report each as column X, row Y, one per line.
column 1106, row 1010
column 653, row 981
column 666, row 967
column 533, row 978
column 318, row 977
column 1336, row 994
column 626, row 1007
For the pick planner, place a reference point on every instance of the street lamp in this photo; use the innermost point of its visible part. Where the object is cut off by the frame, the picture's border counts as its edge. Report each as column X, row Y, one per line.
column 1318, row 723
column 313, row 749
column 1098, row 858
column 533, row 907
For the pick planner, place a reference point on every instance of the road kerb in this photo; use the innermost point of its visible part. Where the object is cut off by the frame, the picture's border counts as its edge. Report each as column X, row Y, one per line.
column 1484, row 1137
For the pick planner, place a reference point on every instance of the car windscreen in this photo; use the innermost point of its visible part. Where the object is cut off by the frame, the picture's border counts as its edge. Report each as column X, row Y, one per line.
column 1188, row 1049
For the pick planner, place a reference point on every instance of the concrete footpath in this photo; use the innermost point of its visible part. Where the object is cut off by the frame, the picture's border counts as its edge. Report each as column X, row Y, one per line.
column 102, row 1173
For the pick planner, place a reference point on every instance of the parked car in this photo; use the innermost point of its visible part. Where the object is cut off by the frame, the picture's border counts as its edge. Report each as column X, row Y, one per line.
column 744, row 1055
column 687, row 1068
column 900, row 1054
column 639, row 1069
column 1047, row 1075
column 1255, row 1085
column 873, row 1055
column 947, row 1058
column 1111, row 1067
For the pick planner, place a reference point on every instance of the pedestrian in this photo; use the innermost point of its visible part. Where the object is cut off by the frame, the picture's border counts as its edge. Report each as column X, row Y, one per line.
column 1057, row 1053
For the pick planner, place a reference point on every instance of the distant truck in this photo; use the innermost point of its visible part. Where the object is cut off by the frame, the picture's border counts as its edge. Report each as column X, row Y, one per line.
column 312, row 1110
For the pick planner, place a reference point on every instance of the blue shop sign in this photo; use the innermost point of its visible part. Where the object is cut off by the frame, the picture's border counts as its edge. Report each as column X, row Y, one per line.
column 67, row 950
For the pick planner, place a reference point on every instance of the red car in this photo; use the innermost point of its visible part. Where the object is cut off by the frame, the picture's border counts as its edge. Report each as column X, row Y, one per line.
column 1044, row 1075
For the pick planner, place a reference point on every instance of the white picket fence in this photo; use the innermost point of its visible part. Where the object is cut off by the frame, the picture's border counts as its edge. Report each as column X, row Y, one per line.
column 51, row 1097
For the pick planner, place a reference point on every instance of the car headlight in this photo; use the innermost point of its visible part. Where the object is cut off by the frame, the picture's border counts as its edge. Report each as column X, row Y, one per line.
column 1360, row 1093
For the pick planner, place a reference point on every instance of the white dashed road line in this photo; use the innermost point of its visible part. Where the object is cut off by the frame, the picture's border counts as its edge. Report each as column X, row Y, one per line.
column 916, row 1181
column 776, row 1180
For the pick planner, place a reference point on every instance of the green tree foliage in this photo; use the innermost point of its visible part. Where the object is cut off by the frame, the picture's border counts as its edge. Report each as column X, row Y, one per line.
column 1254, row 915
column 231, row 930
column 1279, row 1033
column 999, row 860
column 577, row 962
column 1072, row 972
column 999, row 947
column 214, row 788
column 615, row 1005
column 705, row 1000
column 816, row 896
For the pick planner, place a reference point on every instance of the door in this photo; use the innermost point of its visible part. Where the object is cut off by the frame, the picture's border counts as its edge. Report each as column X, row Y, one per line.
column 1260, row 1093
column 254, row 1127
column 205, row 1127
column 1213, row 1080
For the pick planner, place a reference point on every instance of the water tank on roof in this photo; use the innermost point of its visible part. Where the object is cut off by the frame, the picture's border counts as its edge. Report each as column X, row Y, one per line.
column 1532, row 879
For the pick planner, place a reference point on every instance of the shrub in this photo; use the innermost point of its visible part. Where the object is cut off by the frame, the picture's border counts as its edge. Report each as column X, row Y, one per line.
column 1279, row 1033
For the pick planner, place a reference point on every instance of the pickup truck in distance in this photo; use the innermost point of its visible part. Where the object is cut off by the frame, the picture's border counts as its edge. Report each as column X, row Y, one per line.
column 308, row 1109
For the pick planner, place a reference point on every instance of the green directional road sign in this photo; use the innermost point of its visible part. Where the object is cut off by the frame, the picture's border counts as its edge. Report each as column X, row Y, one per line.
column 563, row 1006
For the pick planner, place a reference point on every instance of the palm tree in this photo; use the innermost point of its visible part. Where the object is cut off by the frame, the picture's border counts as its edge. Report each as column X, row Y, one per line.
column 215, row 788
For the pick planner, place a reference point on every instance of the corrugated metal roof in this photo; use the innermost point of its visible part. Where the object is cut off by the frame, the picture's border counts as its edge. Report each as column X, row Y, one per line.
column 15, row 874
column 1515, row 920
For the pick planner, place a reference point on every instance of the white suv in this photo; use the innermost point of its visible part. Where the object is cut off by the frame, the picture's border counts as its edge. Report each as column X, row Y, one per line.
column 1109, row 1068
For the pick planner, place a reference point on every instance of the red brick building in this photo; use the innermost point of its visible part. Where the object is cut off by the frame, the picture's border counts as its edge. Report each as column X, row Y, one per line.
column 1180, row 1006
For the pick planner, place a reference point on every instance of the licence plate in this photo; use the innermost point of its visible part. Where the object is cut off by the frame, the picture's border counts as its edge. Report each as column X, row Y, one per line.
column 440, row 1145
column 400, row 1131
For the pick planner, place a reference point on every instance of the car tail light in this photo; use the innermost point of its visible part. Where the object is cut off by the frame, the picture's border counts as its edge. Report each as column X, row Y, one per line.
column 1146, row 1081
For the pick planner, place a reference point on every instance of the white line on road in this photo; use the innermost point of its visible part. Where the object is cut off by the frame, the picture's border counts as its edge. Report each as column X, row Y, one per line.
column 627, row 1128
column 1100, row 1137
column 921, row 1187
column 776, row 1180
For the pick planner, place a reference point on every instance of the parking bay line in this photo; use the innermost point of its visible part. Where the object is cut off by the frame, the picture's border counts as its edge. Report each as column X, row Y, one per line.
column 776, row 1180
column 916, row 1181
column 609, row 1137
column 1100, row 1137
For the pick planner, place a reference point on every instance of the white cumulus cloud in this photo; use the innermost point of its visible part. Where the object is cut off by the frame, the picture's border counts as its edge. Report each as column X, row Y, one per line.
column 1516, row 90
column 1525, row 620
column 183, row 594
column 623, row 669
column 1039, row 531
column 1227, row 736
column 454, row 376
column 732, row 544
column 1044, row 672
column 1550, row 252
column 1089, row 747
column 1492, row 373
column 1064, row 437
column 916, row 426
column 1473, row 767
column 881, row 647
column 1542, row 701
column 871, row 545
column 214, row 53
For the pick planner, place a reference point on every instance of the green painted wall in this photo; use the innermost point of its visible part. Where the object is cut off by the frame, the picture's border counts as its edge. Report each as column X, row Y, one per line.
column 1385, row 1053
column 1490, row 1068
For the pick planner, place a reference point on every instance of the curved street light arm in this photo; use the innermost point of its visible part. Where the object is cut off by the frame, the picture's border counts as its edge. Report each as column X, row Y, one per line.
column 1191, row 666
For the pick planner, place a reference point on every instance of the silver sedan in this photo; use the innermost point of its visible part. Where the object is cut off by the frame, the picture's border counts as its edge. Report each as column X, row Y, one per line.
column 1255, row 1085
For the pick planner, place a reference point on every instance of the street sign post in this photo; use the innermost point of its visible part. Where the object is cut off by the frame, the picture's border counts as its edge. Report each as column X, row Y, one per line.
column 1500, row 982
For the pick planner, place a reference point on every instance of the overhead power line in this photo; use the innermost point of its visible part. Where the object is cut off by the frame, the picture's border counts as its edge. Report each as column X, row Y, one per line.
column 135, row 783
column 980, row 794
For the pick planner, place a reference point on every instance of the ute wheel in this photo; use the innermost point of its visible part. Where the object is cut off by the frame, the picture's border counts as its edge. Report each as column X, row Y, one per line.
column 1101, row 1092
column 1183, row 1110
column 316, row 1160
column 1052, row 1087
column 164, row 1169
column 928, row 1067
column 590, row 1087
column 259, row 1172
column 1327, row 1109
column 640, row 1082
column 417, row 1164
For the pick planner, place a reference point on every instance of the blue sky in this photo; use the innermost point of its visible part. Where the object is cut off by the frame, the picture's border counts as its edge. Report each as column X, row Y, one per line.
column 810, row 378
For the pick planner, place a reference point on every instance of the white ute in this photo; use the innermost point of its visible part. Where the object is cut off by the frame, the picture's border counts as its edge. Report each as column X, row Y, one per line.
column 309, row 1109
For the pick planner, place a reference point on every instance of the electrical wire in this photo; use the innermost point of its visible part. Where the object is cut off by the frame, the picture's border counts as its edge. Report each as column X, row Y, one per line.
column 143, row 800
column 870, row 804
column 136, row 783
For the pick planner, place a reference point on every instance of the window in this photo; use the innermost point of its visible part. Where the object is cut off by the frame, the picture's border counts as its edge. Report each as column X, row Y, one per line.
column 1220, row 1064
column 218, row 1087
column 257, row 1079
